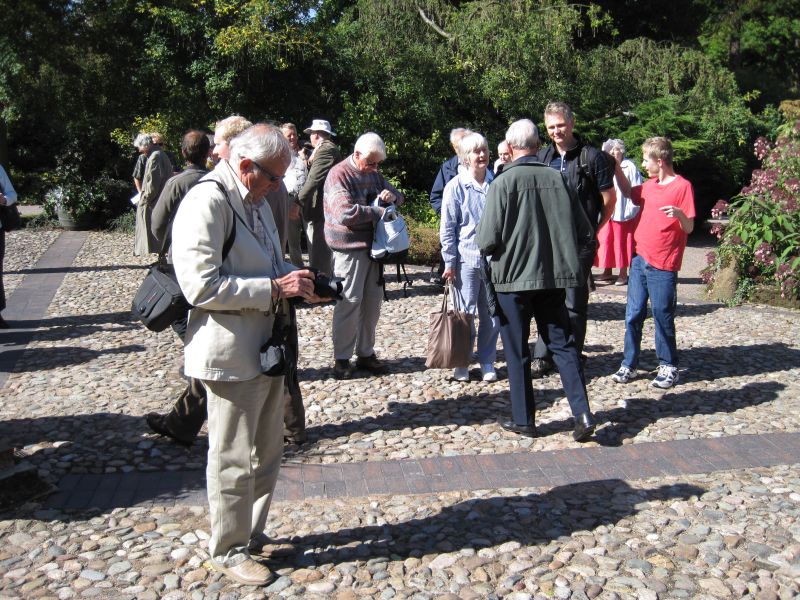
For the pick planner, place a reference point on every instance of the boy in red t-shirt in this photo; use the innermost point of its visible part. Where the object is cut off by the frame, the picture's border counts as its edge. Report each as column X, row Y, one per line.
column 667, row 218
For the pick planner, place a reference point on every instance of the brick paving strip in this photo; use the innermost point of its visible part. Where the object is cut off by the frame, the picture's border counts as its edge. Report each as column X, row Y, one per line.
column 443, row 474
column 33, row 296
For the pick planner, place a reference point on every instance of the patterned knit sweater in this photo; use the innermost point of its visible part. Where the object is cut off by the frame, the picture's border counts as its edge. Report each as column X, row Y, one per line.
column 349, row 217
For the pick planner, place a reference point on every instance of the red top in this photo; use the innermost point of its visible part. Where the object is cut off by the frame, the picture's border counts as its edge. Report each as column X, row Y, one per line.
column 659, row 239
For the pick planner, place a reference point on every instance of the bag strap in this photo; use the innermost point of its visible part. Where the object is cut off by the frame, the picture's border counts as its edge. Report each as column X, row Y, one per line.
column 226, row 247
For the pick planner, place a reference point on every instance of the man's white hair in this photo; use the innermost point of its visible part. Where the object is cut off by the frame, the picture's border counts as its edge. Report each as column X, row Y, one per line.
column 457, row 134
column 523, row 135
column 143, row 140
column 612, row 143
column 260, row 142
column 370, row 143
column 229, row 127
column 469, row 143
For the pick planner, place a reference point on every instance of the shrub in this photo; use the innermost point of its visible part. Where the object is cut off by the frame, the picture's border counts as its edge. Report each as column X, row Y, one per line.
column 424, row 238
column 762, row 237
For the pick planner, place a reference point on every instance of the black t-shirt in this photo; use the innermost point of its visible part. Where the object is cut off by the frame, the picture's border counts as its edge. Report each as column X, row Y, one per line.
column 587, row 188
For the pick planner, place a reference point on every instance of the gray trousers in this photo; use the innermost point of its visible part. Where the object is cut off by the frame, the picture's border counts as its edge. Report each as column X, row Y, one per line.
column 355, row 318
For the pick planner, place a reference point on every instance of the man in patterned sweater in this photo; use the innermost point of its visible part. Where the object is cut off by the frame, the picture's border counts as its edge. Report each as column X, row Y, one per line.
column 350, row 190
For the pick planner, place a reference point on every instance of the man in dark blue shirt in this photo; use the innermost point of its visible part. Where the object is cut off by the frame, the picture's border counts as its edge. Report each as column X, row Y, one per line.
column 593, row 182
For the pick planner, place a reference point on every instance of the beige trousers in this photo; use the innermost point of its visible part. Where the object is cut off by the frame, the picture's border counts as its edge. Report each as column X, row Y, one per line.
column 356, row 317
column 245, row 444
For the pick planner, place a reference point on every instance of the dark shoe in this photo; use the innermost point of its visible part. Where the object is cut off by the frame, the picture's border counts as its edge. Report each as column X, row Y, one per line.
column 342, row 368
column 584, row 427
column 371, row 364
column 4, row 324
column 509, row 425
column 158, row 423
column 298, row 439
column 541, row 367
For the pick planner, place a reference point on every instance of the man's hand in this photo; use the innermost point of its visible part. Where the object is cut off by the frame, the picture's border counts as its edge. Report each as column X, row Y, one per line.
column 294, row 211
column 3, row 199
column 674, row 212
column 387, row 197
column 449, row 275
column 297, row 283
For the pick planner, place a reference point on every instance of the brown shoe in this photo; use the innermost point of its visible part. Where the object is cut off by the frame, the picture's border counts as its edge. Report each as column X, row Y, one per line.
column 371, row 364
column 247, row 572
column 342, row 369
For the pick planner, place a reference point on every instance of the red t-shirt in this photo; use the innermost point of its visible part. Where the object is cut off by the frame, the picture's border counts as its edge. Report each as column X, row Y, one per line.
column 658, row 238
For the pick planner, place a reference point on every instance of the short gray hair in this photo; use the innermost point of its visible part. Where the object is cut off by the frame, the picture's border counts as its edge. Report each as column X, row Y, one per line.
column 369, row 143
column 457, row 134
column 260, row 142
column 559, row 108
column 229, row 127
column 612, row 143
column 469, row 143
column 523, row 135
column 143, row 140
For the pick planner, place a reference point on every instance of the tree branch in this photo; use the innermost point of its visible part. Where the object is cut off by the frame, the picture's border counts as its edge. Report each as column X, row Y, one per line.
column 434, row 26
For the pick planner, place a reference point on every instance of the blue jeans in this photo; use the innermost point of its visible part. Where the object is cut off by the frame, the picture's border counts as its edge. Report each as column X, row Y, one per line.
column 473, row 292
column 645, row 281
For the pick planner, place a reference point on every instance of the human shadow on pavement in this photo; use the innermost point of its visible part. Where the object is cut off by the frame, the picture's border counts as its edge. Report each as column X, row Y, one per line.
column 57, row 328
column 48, row 359
column 618, row 424
column 46, row 270
column 484, row 407
column 615, row 311
column 531, row 520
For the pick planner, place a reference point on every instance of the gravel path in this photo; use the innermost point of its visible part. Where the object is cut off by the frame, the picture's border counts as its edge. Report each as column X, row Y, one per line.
column 75, row 399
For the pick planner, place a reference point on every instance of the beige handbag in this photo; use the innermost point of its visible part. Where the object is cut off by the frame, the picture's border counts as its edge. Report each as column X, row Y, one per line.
column 448, row 339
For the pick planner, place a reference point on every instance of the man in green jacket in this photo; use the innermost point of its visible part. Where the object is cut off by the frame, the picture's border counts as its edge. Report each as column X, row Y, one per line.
column 536, row 233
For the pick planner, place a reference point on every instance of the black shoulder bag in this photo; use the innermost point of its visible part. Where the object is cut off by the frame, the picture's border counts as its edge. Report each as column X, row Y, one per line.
column 159, row 302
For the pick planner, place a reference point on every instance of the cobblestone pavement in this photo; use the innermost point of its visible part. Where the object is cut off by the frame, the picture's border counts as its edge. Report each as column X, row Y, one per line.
column 729, row 529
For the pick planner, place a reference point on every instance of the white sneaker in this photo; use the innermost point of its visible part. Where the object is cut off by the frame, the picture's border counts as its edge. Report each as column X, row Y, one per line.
column 489, row 374
column 666, row 378
column 461, row 374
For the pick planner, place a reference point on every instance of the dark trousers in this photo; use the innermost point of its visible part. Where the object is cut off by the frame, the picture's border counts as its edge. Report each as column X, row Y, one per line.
column 577, row 302
column 189, row 412
column 552, row 320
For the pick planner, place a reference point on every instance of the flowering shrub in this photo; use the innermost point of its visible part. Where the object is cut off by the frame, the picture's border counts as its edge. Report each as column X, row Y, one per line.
column 762, row 237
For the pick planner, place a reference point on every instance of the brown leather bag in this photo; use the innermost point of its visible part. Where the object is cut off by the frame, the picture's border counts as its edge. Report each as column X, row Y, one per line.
column 449, row 336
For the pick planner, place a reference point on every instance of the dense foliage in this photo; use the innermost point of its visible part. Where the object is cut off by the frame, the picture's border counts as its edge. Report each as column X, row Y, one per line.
column 92, row 73
column 761, row 240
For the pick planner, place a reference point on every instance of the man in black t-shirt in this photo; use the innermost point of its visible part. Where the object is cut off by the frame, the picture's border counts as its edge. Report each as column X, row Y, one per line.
column 590, row 175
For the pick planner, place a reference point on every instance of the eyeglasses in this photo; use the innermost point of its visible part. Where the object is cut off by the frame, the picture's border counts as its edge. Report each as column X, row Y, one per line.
column 372, row 163
column 272, row 178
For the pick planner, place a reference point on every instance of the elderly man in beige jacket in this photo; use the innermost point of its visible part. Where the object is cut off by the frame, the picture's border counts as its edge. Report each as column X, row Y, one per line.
column 236, row 301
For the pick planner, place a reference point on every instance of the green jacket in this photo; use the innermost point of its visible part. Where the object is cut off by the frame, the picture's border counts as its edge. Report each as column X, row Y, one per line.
column 534, row 229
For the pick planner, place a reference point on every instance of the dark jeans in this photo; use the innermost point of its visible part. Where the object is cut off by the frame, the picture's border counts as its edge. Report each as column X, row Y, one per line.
column 577, row 302
column 547, row 307
column 189, row 412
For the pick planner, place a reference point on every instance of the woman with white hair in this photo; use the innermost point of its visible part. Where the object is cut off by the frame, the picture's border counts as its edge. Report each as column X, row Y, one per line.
column 615, row 238
column 463, row 202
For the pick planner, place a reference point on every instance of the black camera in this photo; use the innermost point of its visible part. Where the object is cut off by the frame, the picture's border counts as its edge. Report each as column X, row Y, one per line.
column 327, row 287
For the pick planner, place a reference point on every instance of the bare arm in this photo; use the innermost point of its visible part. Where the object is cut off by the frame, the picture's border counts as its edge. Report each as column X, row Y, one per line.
column 687, row 223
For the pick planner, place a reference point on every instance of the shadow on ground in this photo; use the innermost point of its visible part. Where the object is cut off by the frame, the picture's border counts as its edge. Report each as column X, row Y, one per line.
column 531, row 520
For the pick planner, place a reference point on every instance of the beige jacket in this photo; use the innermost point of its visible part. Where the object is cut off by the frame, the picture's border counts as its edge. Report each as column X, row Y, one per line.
column 224, row 346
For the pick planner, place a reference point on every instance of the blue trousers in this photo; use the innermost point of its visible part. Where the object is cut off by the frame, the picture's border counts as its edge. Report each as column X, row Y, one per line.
column 473, row 293
column 552, row 321
column 645, row 281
